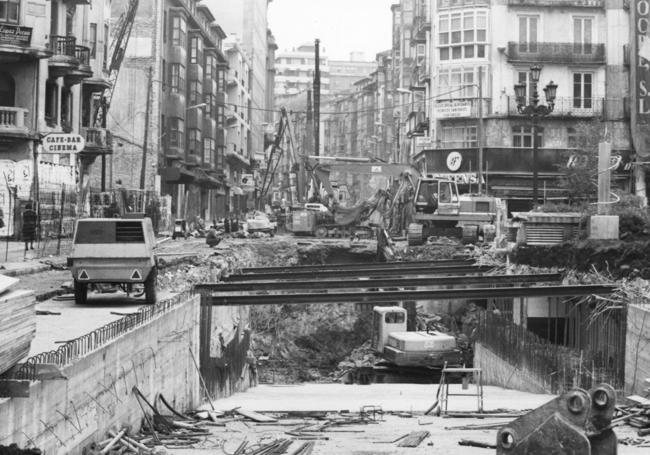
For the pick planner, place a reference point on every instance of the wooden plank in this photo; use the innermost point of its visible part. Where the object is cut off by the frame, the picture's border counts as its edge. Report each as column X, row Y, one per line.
column 11, row 388
column 7, row 282
column 255, row 416
column 413, row 439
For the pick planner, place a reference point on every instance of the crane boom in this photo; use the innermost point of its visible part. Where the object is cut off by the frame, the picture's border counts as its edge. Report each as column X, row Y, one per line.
column 116, row 52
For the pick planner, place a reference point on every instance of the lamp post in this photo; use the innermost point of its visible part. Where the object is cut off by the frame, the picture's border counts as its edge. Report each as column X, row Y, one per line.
column 534, row 111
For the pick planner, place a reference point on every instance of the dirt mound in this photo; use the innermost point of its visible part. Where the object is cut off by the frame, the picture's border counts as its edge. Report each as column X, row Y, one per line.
column 617, row 259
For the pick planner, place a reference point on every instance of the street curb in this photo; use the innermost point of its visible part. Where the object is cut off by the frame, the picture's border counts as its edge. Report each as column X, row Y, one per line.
column 26, row 270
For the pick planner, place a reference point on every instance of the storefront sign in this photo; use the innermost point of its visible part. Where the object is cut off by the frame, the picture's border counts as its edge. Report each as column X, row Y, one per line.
column 452, row 109
column 15, row 35
column 463, row 178
column 640, row 75
column 63, row 143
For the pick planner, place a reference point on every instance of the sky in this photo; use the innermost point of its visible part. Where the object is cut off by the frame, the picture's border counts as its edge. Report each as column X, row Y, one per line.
column 343, row 26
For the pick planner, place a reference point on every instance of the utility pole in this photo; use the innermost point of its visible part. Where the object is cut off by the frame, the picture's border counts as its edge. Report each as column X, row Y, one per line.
column 479, row 130
column 317, row 99
column 145, row 141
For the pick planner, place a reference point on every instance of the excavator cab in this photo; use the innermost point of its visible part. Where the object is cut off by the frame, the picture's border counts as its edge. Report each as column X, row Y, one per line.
column 437, row 196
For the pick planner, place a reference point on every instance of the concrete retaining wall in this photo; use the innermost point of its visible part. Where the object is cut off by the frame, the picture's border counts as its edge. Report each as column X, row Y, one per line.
column 637, row 349
column 63, row 416
column 499, row 372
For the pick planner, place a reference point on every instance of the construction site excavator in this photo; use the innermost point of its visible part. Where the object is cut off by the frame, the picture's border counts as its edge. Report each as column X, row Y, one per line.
column 311, row 183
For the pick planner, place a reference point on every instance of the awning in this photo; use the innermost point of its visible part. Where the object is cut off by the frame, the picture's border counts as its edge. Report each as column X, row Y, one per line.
column 207, row 181
column 237, row 191
column 177, row 175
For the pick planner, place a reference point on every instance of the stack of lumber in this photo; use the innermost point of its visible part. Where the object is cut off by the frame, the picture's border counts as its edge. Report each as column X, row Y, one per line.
column 17, row 323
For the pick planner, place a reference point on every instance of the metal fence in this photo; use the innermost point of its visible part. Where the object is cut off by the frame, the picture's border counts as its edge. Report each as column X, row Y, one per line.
column 80, row 347
column 558, row 367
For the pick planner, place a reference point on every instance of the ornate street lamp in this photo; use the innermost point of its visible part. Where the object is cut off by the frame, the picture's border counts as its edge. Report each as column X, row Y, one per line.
column 534, row 111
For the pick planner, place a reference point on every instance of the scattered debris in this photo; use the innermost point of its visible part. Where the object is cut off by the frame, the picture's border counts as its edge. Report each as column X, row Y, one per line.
column 413, row 439
column 480, row 444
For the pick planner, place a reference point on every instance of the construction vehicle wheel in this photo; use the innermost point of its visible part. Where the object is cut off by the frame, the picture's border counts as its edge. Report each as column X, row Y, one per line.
column 414, row 234
column 80, row 293
column 150, row 287
column 321, row 232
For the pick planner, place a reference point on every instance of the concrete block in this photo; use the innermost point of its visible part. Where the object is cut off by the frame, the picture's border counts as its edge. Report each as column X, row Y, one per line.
column 603, row 227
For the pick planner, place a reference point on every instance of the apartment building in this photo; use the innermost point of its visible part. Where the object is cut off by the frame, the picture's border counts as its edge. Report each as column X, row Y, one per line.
column 295, row 71
column 174, row 75
column 238, row 125
column 466, row 64
column 52, row 66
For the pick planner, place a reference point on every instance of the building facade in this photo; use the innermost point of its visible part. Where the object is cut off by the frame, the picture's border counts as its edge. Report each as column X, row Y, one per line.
column 52, row 66
column 238, row 125
column 170, row 100
column 462, row 69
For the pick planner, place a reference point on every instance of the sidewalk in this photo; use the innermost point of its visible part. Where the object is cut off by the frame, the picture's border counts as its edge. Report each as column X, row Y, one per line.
column 15, row 261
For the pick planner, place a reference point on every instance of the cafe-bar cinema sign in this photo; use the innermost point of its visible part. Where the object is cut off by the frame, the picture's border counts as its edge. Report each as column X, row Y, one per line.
column 640, row 76
column 63, row 143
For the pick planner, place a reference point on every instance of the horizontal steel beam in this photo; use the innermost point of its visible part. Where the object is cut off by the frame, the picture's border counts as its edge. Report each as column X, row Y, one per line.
column 358, row 266
column 253, row 286
column 380, row 272
column 388, row 296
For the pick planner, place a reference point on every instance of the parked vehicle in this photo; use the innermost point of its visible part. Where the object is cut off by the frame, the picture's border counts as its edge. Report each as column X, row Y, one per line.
column 113, row 251
column 259, row 222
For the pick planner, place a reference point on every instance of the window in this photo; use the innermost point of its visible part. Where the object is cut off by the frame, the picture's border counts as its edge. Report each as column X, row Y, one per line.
column 208, row 151
column 221, row 81
column 209, row 101
column 193, row 141
column 51, row 101
column 572, row 138
column 522, row 136
column 9, row 11
column 582, row 90
column 105, row 50
column 179, row 31
column 176, row 132
column 526, row 78
column 93, row 40
column 462, row 35
column 164, row 26
column 221, row 151
column 196, row 49
column 210, row 67
column 582, row 35
column 164, row 75
column 176, row 77
column 221, row 116
column 458, row 82
column 462, row 136
column 196, row 89
column 528, row 37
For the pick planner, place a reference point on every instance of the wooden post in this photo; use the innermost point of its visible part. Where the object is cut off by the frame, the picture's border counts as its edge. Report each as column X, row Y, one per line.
column 145, row 141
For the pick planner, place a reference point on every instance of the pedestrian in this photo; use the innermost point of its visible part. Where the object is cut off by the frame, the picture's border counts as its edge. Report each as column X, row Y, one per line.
column 29, row 226
column 2, row 221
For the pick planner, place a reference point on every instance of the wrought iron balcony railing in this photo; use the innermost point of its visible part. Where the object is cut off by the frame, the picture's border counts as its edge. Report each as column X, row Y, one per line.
column 544, row 52
column 63, row 45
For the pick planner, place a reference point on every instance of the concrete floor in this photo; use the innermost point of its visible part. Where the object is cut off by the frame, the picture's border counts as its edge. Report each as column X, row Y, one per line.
column 372, row 438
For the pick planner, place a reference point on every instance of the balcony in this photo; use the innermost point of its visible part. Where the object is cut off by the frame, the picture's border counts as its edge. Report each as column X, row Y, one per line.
column 14, row 122
column 569, row 107
column 64, row 55
column 558, row 3
column 99, row 141
column 543, row 52
column 83, row 70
